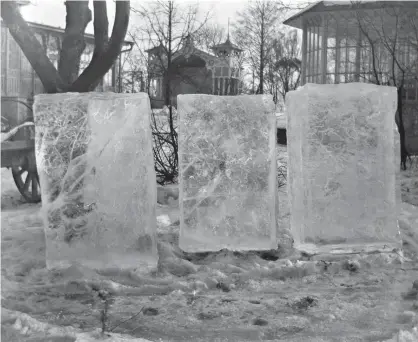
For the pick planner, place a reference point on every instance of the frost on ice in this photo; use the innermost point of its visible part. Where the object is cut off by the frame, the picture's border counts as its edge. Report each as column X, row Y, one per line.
column 95, row 159
column 343, row 156
column 227, row 168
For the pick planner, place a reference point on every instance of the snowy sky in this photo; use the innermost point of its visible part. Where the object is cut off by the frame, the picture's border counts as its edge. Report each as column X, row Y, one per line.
column 52, row 12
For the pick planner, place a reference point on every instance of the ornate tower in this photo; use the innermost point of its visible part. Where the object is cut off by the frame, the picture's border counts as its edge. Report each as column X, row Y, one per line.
column 227, row 76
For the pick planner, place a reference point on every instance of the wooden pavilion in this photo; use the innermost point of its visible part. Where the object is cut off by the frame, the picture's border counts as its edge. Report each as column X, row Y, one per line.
column 363, row 41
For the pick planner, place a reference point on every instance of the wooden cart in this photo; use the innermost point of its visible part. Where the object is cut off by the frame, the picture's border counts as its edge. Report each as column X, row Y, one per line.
column 19, row 156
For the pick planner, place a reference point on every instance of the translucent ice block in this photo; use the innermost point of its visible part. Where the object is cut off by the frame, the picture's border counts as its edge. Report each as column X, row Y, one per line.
column 342, row 167
column 94, row 155
column 227, row 164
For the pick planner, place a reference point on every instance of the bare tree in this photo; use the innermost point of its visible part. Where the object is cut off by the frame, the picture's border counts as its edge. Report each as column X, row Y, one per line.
column 254, row 31
column 167, row 26
column 208, row 36
column 390, row 54
column 287, row 62
column 133, row 74
column 67, row 77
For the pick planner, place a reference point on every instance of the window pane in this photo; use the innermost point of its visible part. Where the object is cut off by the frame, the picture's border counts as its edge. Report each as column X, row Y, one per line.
column 363, row 78
column 384, row 59
column 365, row 54
column 52, row 50
column 308, row 37
column 330, row 79
column 225, row 71
column 331, row 55
column 39, row 38
column 320, row 35
column 313, row 63
column 318, row 68
column 314, row 39
column 26, row 67
column 14, row 54
column 308, row 64
column 227, row 85
column 351, row 59
column 401, row 52
column 350, row 78
column 86, row 57
column 331, row 42
column 342, row 65
column 351, row 41
column 411, row 90
column 233, row 86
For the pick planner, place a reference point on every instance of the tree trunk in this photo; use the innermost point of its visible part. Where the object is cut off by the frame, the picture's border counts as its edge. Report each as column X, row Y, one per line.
column 73, row 43
column 101, row 34
column 78, row 16
column 173, row 132
column 261, row 86
column 32, row 49
column 253, row 84
column 401, row 128
column 168, row 72
column 97, row 69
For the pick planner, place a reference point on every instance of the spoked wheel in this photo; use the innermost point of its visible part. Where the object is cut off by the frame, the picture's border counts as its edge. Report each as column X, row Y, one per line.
column 27, row 179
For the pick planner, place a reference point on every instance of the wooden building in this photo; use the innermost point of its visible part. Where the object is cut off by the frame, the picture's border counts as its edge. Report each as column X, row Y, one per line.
column 20, row 82
column 194, row 71
column 355, row 42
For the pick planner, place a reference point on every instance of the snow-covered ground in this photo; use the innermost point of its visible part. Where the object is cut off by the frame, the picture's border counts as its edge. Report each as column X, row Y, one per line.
column 222, row 296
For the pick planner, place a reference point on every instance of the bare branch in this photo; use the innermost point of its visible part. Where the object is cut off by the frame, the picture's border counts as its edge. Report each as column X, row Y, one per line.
column 73, row 43
column 95, row 71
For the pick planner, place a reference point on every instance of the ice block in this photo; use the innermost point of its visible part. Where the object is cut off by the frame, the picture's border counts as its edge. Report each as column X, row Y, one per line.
column 342, row 164
column 96, row 166
column 227, row 163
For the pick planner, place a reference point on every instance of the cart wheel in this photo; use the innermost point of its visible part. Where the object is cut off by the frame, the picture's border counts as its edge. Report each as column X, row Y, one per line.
column 27, row 180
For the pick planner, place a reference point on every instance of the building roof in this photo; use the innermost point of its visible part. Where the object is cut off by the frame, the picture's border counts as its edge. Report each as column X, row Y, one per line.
column 42, row 27
column 188, row 47
column 328, row 6
column 156, row 49
column 22, row 2
column 226, row 45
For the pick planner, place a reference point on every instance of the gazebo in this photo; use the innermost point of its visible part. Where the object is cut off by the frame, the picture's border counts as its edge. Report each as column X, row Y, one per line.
column 363, row 41
column 194, row 71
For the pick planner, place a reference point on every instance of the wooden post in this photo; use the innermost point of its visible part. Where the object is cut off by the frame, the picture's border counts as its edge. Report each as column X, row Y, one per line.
column 358, row 52
column 113, row 76
column 318, row 54
column 213, row 82
column 337, row 53
column 324, row 48
column 346, row 54
column 6, row 76
column 313, row 46
column 304, row 44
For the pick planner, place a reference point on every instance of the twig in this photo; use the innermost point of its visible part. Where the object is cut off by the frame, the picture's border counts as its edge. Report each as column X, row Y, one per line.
column 126, row 320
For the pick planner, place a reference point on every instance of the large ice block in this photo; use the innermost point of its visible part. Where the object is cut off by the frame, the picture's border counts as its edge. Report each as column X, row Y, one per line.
column 95, row 160
column 227, row 163
column 343, row 159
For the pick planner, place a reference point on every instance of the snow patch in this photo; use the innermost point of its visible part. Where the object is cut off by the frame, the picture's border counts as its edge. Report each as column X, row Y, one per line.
column 27, row 325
